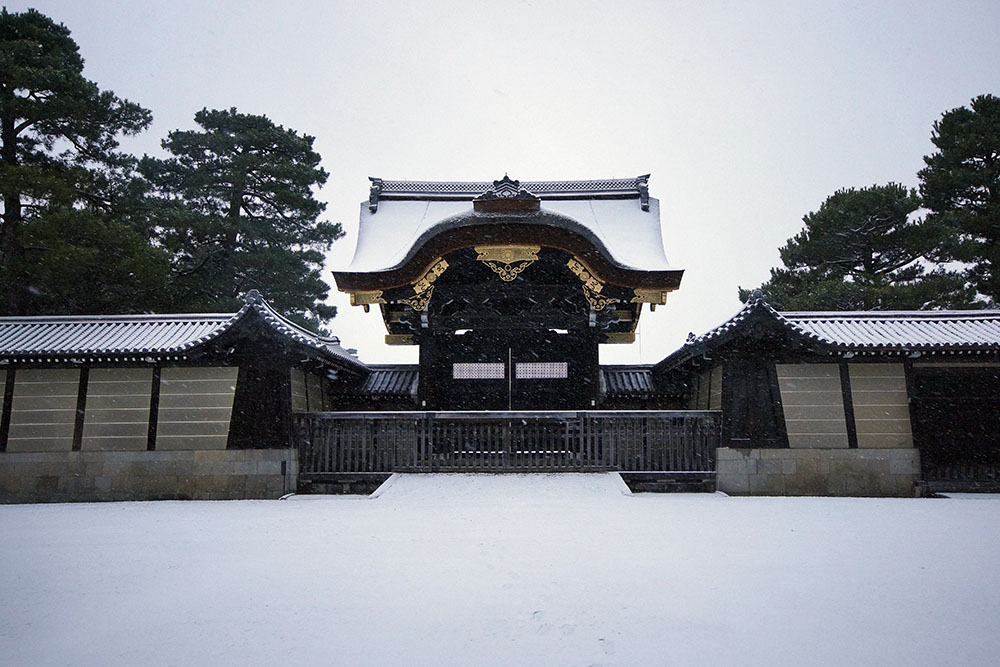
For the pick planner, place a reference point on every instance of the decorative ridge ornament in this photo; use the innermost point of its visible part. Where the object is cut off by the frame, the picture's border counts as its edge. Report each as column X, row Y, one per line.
column 506, row 196
column 505, row 188
column 373, row 193
column 507, row 261
column 642, row 185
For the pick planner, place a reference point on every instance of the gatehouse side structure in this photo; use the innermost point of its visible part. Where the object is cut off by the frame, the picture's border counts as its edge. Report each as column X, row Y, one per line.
column 874, row 403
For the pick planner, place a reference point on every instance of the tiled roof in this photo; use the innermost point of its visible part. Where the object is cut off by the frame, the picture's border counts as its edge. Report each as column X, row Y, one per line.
column 861, row 331
column 391, row 382
column 149, row 335
column 902, row 329
column 470, row 189
column 627, row 381
column 110, row 334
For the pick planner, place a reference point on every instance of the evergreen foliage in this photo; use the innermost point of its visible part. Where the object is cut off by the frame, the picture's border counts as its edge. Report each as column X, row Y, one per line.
column 961, row 187
column 863, row 250
column 69, row 200
column 235, row 208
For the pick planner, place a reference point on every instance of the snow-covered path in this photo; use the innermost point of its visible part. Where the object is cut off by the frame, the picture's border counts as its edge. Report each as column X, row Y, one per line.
column 503, row 570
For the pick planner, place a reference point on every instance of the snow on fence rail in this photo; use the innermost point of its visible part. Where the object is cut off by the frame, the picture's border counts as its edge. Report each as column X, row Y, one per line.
column 479, row 441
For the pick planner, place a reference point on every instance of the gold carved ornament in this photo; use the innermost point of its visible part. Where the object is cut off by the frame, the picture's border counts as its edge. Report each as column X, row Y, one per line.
column 592, row 287
column 365, row 299
column 654, row 297
column 419, row 301
column 624, row 337
column 507, row 261
column 423, row 289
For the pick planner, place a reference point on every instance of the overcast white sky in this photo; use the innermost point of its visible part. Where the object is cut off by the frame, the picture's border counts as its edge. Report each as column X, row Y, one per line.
column 748, row 115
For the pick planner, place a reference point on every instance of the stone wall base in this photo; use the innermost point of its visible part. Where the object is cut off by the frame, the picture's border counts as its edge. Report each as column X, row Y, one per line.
column 818, row 472
column 160, row 475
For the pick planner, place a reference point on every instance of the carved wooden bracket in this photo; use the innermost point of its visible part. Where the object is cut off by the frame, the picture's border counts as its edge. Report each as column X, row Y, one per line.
column 365, row 299
column 399, row 339
column 626, row 337
column 656, row 297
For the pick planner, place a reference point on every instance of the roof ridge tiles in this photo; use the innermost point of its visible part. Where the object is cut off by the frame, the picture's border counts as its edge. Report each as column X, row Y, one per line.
column 469, row 188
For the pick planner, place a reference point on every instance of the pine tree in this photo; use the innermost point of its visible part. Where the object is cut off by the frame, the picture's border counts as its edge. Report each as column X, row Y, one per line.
column 961, row 187
column 237, row 212
column 863, row 250
column 69, row 203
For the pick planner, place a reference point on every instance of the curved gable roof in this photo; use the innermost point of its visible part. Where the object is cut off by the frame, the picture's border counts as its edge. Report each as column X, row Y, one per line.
column 406, row 220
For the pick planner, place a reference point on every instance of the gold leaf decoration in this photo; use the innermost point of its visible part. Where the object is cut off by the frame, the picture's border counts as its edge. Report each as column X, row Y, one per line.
column 508, row 261
column 432, row 274
column 626, row 337
column 654, row 296
column 597, row 300
column 586, row 276
column 419, row 301
column 365, row 298
column 592, row 287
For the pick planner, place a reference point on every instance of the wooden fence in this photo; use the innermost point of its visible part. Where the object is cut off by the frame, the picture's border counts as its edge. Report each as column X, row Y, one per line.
column 360, row 442
column 981, row 477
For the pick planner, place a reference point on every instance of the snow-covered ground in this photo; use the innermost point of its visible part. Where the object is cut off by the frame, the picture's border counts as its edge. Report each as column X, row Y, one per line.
column 503, row 570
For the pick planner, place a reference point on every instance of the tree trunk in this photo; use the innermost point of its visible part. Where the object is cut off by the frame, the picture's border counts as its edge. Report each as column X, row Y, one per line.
column 10, row 245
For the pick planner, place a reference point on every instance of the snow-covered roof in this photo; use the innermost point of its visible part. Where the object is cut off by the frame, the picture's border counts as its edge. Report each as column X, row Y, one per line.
column 85, row 336
column 902, row 329
column 859, row 332
column 615, row 214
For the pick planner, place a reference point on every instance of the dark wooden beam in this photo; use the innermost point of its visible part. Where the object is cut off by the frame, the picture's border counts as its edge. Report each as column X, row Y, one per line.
column 154, row 410
column 81, row 409
column 845, row 389
column 8, row 404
